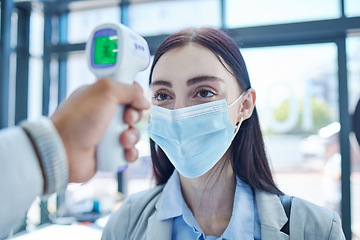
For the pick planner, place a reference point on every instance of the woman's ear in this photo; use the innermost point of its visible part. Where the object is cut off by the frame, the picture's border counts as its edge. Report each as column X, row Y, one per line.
column 247, row 105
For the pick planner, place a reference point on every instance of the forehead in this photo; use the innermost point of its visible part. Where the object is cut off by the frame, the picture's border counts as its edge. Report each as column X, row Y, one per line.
column 189, row 61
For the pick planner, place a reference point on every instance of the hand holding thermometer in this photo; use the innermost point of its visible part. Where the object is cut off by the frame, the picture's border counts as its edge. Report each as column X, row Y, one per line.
column 116, row 52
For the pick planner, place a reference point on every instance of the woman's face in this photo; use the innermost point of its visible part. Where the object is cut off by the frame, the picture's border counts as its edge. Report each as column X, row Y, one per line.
column 192, row 75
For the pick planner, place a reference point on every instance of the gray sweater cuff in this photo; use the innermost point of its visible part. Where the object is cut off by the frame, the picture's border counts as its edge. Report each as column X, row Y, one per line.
column 52, row 153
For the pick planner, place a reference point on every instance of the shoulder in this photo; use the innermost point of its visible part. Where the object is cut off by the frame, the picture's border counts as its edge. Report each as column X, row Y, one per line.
column 134, row 212
column 311, row 210
column 307, row 220
column 143, row 198
column 316, row 220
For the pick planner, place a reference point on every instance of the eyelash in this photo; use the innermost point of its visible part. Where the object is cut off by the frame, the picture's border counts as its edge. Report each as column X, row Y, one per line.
column 158, row 94
column 204, row 89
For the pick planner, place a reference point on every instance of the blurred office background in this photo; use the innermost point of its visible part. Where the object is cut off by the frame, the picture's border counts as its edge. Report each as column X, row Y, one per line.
column 303, row 59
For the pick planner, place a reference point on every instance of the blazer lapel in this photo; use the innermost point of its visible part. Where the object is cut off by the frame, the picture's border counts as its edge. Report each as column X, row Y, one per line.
column 158, row 230
column 272, row 216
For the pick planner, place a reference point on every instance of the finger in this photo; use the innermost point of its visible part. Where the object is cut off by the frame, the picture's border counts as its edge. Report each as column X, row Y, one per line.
column 125, row 93
column 139, row 100
column 131, row 154
column 132, row 116
column 129, row 137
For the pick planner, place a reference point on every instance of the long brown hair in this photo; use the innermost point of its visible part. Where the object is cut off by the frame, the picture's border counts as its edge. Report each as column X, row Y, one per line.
column 250, row 162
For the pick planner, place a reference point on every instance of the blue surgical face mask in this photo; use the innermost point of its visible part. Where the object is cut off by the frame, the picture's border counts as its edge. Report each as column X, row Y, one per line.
column 193, row 138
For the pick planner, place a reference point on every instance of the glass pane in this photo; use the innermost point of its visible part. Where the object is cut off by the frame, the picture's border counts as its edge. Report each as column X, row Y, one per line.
column 54, row 74
column 353, row 51
column 81, row 23
column 0, row 22
column 14, row 30
column 36, row 33
column 262, row 12
column 78, row 73
column 297, row 100
column 352, row 8
column 35, row 88
column 169, row 16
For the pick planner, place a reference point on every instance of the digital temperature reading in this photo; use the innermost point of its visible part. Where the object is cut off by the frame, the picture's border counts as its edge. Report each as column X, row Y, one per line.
column 105, row 50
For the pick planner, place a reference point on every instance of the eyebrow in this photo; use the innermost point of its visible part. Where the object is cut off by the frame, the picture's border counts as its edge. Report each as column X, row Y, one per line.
column 203, row 78
column 192, row 81
column 161, row 83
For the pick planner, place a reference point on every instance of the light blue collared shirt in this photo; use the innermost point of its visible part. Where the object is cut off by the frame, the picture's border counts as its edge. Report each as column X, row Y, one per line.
column 244, row 223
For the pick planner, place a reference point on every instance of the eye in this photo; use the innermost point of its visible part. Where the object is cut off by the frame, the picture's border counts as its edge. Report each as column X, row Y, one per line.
column 159, row 96
column 203, row 93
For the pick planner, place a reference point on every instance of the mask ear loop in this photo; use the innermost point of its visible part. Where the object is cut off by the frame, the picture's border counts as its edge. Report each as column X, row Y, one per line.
column 238, row 124
column 236, row 100
column 237, row 127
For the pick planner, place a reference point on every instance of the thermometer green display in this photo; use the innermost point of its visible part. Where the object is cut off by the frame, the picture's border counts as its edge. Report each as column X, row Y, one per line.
column 105, row 50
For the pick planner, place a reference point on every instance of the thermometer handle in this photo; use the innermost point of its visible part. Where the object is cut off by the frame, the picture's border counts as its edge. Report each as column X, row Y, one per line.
column 115, row 52
column 110, row 153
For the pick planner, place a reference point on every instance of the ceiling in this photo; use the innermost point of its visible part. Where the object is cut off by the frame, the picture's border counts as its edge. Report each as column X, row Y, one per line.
column 59, row 6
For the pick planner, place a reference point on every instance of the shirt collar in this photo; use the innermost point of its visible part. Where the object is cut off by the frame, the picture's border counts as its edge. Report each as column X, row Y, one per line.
column 172, row 202
column 244, row 216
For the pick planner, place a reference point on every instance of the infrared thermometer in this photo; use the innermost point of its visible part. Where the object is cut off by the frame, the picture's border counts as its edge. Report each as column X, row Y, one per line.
column 116, row 52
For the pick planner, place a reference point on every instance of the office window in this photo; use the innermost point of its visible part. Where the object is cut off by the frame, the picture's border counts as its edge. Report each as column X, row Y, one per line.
column 353, row 51
column 297, row 100
column 14, row 29
column 36, row 33
column 35, row 88
column 54, row 80
column 0, row 21
column 12, row 88
column 164, row 16
column 262, row 12
column 352, row 8
column 36, row 48
column 78, row 73
column 81, row 23
column 353, row 65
